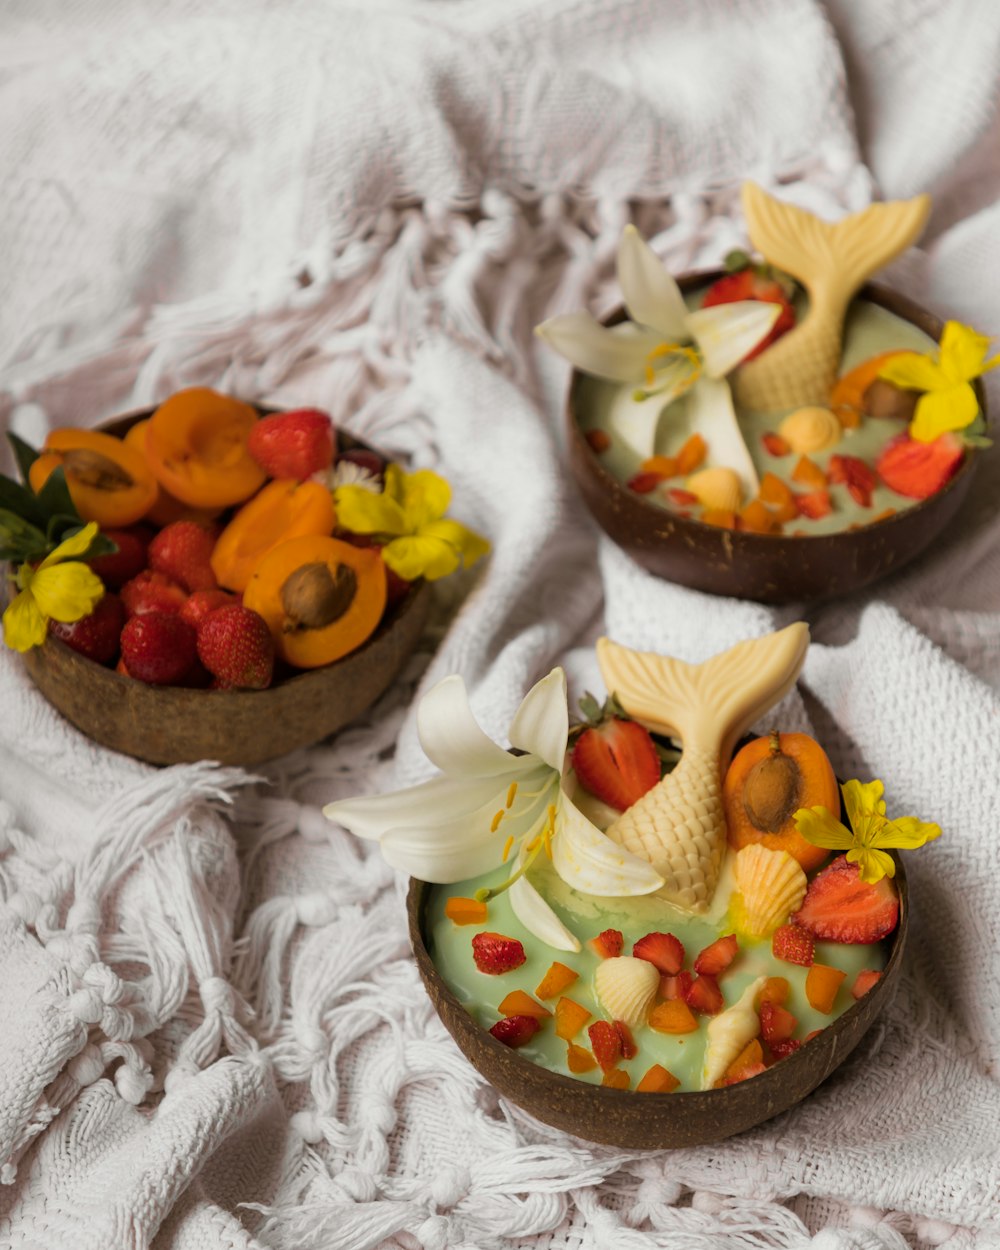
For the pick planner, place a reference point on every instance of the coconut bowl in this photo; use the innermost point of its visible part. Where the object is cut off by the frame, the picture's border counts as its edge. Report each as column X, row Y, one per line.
column 633, row 1121
column 171, row 725
column 769, row 568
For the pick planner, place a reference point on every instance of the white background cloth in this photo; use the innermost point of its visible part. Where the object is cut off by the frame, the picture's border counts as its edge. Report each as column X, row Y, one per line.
column 367, row 207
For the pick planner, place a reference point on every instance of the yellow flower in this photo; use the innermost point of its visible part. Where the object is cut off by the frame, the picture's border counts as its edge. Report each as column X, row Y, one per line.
column 873, row 833
column 60, row 588
column 423, row 542
column 949, row 401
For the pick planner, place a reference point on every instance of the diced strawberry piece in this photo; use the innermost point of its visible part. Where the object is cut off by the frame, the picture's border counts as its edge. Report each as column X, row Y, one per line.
column 775, row 445
column 683, row 498
column 617, row 762
column 856, row 475
column 782, row 1049
column 643, row 483
column 859, row 494
column 917, row 470
column 749, row 284
column 815, row 504
column 670, row 988
column 717, row 957
column 777, row 1024
column 606, row 1043
column 662, row 950
column 704, row 995
column 745, row 1074
column 863, row 982
column 598, row 440
column 608, row 945
column 629, row 1048
column 840, row 907
column 793, row 944
column 495, row 954
column 514, row 1031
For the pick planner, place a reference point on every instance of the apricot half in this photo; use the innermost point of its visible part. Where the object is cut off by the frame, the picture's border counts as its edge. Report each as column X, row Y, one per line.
column 767, row 783
column 284, row 509
column 321, row 598
column 165, row 509
column 109, row 482
column 196, row 444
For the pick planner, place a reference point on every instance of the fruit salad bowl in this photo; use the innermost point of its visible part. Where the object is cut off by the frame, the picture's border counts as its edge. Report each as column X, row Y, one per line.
column 167, row 724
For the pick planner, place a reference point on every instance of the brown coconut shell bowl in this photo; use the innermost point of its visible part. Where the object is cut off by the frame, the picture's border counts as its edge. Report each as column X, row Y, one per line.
column 769, row 568
column 171, row 725
column 633, row 1121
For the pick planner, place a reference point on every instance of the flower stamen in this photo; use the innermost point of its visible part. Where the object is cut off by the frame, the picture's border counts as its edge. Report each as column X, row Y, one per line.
column 497, row 819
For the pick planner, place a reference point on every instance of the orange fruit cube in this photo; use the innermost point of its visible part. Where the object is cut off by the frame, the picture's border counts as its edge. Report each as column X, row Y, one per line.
column 662, row 466
column 673, row 1016
column 822, row 984
column 691, row 455
column 758, row 518
column 717, row 516
column 555, row 980
column 518, row 1003
column 810, row 474
column 465, row 910
column 657, row 1081
column 617, row 1078
column 778, row 497
column 751, row 1056
column 570, row 1018
column 775, row 990
column 579, row 1059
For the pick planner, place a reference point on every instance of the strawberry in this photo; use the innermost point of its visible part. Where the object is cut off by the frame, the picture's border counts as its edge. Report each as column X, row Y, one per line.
column 750, row 283
column 614, row 758
column 815, row 504
column 626, row 1040
column 777, row 1024
column 717, row 957
column 158, row 648
column 858, row 477
column 840, row 907
column 606, row 1043
column 96, row 635
column 598, row 440
column 863, row 982
column 607, row 945
column 662, row 950
column 152, row 592
column 235, row 645
column 793, row 944
column 917, row 470
column 704, row 995
column 119, row 567
column 514, row 1031
column 782, row 1049
column 181, row 551
column 202, row 602
column 775, row 445
column 683, row 498
column 643, row 483
column 495, row 954
column 293, row 444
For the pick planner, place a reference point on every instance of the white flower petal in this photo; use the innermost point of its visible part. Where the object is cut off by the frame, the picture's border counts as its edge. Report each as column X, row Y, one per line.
column 590, row 862
column 451, row 737
column 539, row 918
column 541, row 724
column 725, row 333
column 651, row 295
column 617, row 355
column 711, row 414
column 374, row 815
column 635, row 421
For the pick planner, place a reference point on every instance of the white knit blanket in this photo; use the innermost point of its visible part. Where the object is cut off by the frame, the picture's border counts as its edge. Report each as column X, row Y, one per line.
column 212, row 1031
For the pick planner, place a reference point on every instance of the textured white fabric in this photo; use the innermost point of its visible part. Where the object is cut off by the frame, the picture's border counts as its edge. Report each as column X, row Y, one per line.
column 212, row 1031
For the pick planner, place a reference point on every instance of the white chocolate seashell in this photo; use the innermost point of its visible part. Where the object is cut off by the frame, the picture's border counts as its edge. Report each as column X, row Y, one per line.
column 772, row 885
column 626, row 987
column 729, row 1032
column 810, row 429
column 716, row 488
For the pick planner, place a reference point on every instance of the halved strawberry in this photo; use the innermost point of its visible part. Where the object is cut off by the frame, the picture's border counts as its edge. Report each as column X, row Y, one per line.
column 704, row 995
column 840, row 907
column 606, row 1043
column 607, row 945
column 750, row 284
column 717, row 957
column 662, row 950
column 777, row 1024
column 782, row 1049
column 815, row 504
column 627, row 1041
column 793, row 944
column 495, row 954
column 917, row 470
column 616, row 760
column 514, row 1031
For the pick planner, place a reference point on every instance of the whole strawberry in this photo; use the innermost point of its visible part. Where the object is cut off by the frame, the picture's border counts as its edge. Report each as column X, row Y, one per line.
column 614, row 758
column 293, row 444
column 152, row 592
column 236, row 647
column 95, row 636
column 158, row 648
column 127, row 562
column 181, row 551
column 203, row 603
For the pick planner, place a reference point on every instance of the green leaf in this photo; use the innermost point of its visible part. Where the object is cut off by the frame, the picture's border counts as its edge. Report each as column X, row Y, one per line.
column 977, row 440
column 590, row 708
column 22, row 502
column 101, row 545
column 736, row 261
column 24, row 454
column 55, row 499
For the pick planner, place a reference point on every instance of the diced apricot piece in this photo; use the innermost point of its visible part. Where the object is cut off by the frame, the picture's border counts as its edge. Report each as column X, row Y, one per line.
column 757, row 518
column 558, row 978
column 778, row 497
column 863, row 982
column 775, row 445
column 717, row 516
column 109, row 481
column 321, row 598
column 616, row 1078
column 657, row 1080
column 754, row 1069
column 815, row 504
column 822, row 983
column 570, row 1018
column 465, row 910
column 518, row 1003
column 579, row 1059
column 165, row 509
column 673, row 1016
column 750, row 1056
column 810, row 474
column 196, row 444
column 662, row 466
column 774, row 990
column 692, row 455
column 815, row 1033
column 884, row 515
column 283, row 509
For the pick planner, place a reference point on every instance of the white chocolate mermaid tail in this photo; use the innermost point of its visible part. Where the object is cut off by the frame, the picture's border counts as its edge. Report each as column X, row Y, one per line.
column 831, row 261
column 679, row 826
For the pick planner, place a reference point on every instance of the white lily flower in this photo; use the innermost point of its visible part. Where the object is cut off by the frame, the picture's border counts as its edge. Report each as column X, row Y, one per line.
column 487, row 802
column 665, row 347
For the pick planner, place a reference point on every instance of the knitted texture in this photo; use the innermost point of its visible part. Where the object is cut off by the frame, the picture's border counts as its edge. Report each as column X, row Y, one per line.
column 214, row 1032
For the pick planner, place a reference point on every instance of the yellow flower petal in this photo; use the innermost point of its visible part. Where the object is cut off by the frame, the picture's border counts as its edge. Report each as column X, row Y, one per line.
column 416, row 556
column 914, row 372
column 66, row 592
column 24, row 626
column 75, row 545
column 872, row 865
column 365, row 512
column 469, row 545
column 906, row 833
column 863, row 801
column 963, row 352
column 944, row 410
column 426, row 497
column 394, row 477
column 819, row 826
